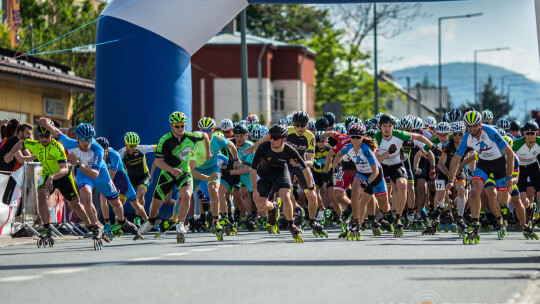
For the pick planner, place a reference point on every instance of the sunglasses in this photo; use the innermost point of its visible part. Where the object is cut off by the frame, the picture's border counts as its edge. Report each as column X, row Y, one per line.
column 457, row 134
column 179, row 126
column 530, row 133
column 207, row 130
column 300, row 125
column 356, row 137
column 274, row 137
column 85, row 139
column 44, row 135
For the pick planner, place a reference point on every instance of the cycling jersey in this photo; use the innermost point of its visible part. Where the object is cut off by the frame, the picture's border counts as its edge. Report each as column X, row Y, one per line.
column 489, row 147
column 267, row 161
column 347, row 163
column 449, row 149
column 136, row 163
column 320, row 158
column 217, row 143
column 93, row 158
column 304, row 143
column 526, row 155
column 398, row 137
column 49, row 156
column 113, row 161
column 176, row 152
column 363, row 159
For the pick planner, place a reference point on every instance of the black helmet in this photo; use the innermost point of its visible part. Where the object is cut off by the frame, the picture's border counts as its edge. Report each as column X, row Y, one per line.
column 371, row 132
column 103, row 142
column 351, row 119
column 468, row 109
column 515, row 125
column 330, row 117
column 386, row 118
column 454, row 115
column 300, row 117
column 279, row 130
column 530, row 125
column 311, row 125
column 321, row 124
column 240, row 129
column 318, row 135
column 357, row 129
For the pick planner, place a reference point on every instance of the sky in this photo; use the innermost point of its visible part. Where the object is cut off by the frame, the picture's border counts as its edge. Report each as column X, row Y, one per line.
column 504, row 23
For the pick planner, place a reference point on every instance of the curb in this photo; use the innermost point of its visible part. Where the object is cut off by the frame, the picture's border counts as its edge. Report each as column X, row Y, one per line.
column 6, row 241
column 530, row 294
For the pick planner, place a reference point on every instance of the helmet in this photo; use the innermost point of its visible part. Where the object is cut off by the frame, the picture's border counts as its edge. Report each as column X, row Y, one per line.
column 487, row 116
column 226, row 124
column 468, row 109
column 311, row 125
column 177, row 117
column 417, row 123
column 406, row 123
column 131, row 138
column 351, row 119
column 279, row 130
column 515, row 125
column 508, row 140
column 321, row 124
column 357, row 129
column 330, row 117
column 397, row 124
column 371, row 132
column 340, row 128
column 472, row 118
column 252, row 119
column 318, row 135
column 85, row 130
column 240, row 129
column 443, row 128
column 300, row 117
column 371, row 123
column 430, row 121
column 503, row 124
column 285, row 122
column 458, row 127
column 243, row 122
column 501, row 132
column 386, row 118
column 207, row 123
column 530, row 125
column 103, row 142
column 40, row 129
column 446, row 117
column 454, row 115
column 258, row 132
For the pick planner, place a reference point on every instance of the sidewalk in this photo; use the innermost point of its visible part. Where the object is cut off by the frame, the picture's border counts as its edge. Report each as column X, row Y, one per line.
column 6, row 241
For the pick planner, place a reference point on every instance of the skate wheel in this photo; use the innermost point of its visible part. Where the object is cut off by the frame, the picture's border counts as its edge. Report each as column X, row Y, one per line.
column 51, row 242
column 477, row 240
column 325, row 234
column 39, row 243
column 465, row 239
column 349, row 236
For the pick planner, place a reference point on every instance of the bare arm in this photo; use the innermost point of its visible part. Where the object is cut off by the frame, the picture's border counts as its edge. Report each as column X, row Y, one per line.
column 309, row 159
column 374, row 173
column 196, row 174
column 328, row 134
column 328, row 160
column 160, row 163
column 257, row 144
column 441, row 166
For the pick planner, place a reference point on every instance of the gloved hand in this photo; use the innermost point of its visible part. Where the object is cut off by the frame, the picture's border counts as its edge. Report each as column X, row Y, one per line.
column 392, row 149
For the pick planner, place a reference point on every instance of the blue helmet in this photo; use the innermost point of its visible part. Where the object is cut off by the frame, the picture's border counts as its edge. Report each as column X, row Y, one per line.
column 85, row 130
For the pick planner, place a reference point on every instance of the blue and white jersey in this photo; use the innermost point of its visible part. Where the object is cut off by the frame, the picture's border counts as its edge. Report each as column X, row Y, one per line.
column 222, row 160
column 489, row 147
column 93, row 158
column 114, row 161
column 363, row 160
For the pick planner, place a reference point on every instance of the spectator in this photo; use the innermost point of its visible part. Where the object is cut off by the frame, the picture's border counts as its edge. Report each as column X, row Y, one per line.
column 9, row 129
column 71, row 133
column 23, row 131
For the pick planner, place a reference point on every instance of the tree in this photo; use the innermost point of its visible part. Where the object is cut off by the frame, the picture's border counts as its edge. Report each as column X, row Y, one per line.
column 489, row 99
column 426, row 84
column 52, row 19
column 287, row 23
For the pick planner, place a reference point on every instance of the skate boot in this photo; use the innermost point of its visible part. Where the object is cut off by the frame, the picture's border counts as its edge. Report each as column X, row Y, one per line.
column 365, row 225
column 107, row 231
column 137, row 222
column 180, row 233
column 273, row 215
column 529, row 213
column 116, row 230
column 447, row 222
column 317, row 229
column 131, row 228
column 192, row 225
column 228, row 227
column 249, row 222
column 375, row 225
column 218, row 230
column 97, row 236
column 146, row 227
column 165, row 226
column 501, row 230
column 385, row 225
column 398, row 228
column 345, row 229
column 528, row 233
column 296, row 234
column 45, row 238
column 430, row 228
column 471, row 235
column 275, row 229
column 353, row 233
column 461, row 226
column 413, row 225
column 299, row 215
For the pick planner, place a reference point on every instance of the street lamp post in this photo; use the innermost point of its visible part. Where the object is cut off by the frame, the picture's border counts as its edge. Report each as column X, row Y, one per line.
column 440, row 67
column 476, row 73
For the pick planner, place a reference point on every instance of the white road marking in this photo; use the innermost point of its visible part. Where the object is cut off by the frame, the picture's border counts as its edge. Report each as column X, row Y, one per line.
column 65, row 271
column 176, row 254
column 19, row 278
column 204, row 249
column 145, row 259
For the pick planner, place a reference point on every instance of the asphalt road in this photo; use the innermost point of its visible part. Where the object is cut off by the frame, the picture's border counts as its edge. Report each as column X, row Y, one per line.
column 261, row 268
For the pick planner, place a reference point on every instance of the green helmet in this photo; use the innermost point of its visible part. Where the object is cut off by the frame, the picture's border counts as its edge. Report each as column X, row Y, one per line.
column 131, row 138
column 177, row 117
column 472, row 118
column 207, row 123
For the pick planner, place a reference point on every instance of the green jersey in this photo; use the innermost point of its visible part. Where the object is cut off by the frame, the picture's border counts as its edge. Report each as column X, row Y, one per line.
column 176, row 152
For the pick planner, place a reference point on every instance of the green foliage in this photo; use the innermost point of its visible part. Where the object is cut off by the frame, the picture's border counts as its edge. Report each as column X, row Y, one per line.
column 52, row 19
column 235, row 117
column 426, row 84
column 262, row 119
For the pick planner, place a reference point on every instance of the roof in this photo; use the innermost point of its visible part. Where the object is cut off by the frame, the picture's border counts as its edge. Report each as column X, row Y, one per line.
column 43, row 70
column 426, row 103
column 227, row 38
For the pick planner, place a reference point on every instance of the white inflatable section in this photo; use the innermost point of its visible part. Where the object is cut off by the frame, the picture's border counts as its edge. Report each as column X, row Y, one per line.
column 537, row 10
column 188, row 24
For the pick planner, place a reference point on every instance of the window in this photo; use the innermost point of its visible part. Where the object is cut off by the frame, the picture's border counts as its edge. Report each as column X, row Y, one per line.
column 279, row 100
